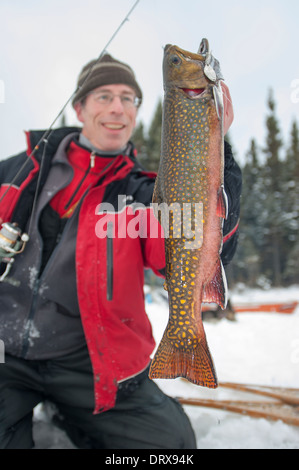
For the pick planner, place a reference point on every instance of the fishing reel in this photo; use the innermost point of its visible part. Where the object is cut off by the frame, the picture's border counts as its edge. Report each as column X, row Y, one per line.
column 12, row 242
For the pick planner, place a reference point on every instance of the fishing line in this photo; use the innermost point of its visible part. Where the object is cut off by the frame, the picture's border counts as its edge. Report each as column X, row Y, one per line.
column 47, row 134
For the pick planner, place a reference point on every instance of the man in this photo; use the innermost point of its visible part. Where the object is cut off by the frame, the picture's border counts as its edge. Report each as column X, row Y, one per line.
column 72, row 307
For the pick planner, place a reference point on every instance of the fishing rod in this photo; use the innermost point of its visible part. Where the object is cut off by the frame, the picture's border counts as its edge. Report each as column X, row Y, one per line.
column 12, row 241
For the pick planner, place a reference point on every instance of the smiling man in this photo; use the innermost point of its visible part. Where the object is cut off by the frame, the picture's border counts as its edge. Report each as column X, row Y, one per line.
column 109, row 116
column 72, row 313
column 107, row 103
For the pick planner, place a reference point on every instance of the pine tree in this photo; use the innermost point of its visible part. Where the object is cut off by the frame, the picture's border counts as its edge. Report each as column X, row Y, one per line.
column 291, row 274
column 148, row 144
column 247, row 260
column 154, row 140
column 140, row 143
column 273, row 139
column 293, row 152
column 269, row 243
column 273, row 254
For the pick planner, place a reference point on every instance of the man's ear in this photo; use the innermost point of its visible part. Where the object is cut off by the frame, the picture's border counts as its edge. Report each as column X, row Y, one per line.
column 78, row 108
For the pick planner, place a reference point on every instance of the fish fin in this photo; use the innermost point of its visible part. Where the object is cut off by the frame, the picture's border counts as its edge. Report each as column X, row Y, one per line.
column 196, row 365
column 222, row 204
column 216, row 290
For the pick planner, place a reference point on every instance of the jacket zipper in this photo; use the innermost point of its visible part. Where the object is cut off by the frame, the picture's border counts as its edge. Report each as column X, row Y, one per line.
column 110, row 261
column 91, row 165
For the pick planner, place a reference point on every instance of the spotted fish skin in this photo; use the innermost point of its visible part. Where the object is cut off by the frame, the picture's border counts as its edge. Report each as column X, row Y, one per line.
column 190, row 181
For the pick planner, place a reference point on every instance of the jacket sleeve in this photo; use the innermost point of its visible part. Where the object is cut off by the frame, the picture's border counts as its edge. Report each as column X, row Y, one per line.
column 13, row 174
column 233, row 188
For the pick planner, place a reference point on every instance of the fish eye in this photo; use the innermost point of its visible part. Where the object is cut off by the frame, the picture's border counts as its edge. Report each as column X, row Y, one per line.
column 175, row 60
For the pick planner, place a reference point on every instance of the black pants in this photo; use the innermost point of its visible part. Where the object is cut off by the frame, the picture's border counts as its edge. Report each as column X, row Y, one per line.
column 143, row 418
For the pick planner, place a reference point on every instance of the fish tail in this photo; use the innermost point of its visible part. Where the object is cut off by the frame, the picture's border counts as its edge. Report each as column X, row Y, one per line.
column 194, row 364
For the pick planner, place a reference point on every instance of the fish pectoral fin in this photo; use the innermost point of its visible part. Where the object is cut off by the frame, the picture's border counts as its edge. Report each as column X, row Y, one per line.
column 215, row 290
column 194, row 364
column 222, row 204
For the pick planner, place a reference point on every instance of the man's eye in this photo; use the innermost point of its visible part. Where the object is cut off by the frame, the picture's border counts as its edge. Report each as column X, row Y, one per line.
column 103, row 97
column 127, row 99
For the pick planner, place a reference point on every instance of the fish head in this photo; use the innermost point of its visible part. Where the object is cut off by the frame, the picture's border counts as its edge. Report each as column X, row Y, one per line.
column 192, row 73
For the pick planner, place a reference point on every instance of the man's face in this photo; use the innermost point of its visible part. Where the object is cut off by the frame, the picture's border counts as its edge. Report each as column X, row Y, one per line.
column 108, row 123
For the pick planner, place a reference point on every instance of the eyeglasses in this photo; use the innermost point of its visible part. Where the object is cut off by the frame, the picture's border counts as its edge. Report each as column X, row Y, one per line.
column 105, row 98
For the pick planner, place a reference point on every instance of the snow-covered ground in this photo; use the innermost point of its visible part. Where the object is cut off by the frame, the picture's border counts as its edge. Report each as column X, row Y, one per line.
column 258, row 348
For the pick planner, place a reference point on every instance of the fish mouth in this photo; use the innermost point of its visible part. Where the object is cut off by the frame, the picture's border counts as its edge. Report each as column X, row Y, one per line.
column 193, row 93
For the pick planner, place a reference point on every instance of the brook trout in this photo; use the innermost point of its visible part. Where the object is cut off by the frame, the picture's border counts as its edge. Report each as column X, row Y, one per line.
column 190, row 202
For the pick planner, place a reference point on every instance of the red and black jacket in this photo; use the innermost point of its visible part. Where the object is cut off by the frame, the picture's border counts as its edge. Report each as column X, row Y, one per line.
column 110, row 265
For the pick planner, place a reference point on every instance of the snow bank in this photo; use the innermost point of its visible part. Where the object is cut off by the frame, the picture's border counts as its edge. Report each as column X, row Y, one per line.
column 256, row 349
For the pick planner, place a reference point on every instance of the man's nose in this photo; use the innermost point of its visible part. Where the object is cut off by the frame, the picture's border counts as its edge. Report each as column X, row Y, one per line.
column 116, row 105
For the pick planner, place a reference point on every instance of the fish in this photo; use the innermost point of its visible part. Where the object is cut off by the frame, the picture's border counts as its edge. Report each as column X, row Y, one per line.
column 190, row 202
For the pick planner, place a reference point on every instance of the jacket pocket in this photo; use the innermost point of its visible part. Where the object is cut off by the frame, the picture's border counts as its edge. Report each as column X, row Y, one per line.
column 110, row 261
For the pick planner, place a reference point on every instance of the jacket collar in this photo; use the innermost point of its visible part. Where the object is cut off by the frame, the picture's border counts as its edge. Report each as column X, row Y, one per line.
column 56, row 136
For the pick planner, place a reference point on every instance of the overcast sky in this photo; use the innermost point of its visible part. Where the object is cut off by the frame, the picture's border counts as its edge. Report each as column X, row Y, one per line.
column 44, row 44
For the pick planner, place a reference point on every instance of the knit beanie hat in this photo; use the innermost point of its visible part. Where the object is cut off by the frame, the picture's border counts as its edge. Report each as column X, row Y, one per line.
column 106, row 71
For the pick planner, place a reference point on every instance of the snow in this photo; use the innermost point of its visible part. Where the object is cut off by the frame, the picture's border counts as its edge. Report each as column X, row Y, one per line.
column 258, row 348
